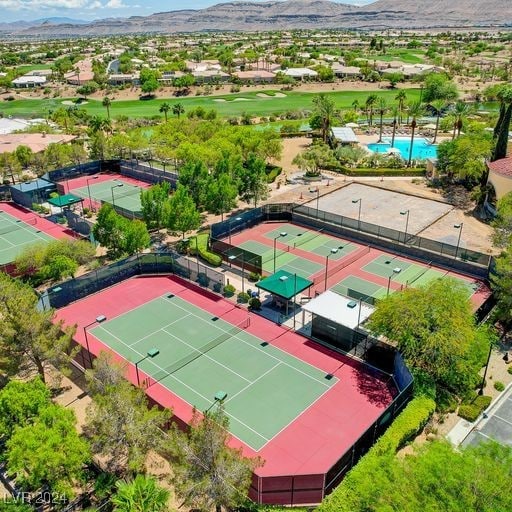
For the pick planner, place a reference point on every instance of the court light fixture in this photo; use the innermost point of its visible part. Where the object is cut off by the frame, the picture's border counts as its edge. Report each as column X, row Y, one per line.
column 153, row 352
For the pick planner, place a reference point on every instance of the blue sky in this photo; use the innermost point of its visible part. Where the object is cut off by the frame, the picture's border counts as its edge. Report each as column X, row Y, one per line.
column 92, row 9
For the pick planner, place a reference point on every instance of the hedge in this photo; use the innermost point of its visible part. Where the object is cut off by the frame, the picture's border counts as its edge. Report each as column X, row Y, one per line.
column 363, row 171
column 272, row 173
column 199, row 243
column 410, row 421
column 471, row 410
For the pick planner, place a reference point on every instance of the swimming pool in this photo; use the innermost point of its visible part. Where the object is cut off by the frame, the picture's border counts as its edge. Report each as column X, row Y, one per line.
column 421, row 150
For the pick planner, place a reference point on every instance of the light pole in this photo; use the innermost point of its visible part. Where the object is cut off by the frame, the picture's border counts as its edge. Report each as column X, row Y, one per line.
column 238, row 219
column 333, row 251
column 482, row 385
column 231, row 259
column 89, row 190
column 150, row 353
column 312, row 191
column 360, row 201
column 395, row 271
column 218, row 398
column 459, row 227
column 112, row 190
column 97, row 320
column 405, row 212
column 283, row 233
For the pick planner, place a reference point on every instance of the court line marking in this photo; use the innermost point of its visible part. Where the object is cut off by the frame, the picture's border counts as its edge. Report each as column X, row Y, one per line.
column 181, row 382
column 158, row 330
column 22, row 226
column 254, row 381
column 297, row 417
column 208, row 356
column 266, row 353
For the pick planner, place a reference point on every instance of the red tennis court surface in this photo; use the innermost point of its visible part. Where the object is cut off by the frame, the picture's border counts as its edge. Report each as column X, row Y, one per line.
column 364, row 254
column 299, row 457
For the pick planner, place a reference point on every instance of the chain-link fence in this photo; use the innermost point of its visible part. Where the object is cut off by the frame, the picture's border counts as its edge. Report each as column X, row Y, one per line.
column 399, row 237
column 148, row 263
column 147, row 173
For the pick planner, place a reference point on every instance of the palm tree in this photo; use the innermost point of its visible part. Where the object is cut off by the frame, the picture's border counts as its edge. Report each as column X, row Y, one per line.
column 369, row 104
column 401, row 97
column 355, row 105
column 140, row 495
column 382, row 107
column 395, row 112
column 438, row 106
column 460, row 112
column 415, row 110
column 106, row 103
column 325, row 109
column 165, row 108
column 178, row 109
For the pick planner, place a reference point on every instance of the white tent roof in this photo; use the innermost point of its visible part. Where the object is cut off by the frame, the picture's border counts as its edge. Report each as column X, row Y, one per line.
column 344, row 134
column 337, row 308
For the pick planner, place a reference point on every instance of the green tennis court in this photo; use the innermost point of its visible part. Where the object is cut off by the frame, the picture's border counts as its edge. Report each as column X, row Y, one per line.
column 310, row 240
column 357, row 288
column 15, row 234
column 285, row 260
column 119, row 192
column 200, row 355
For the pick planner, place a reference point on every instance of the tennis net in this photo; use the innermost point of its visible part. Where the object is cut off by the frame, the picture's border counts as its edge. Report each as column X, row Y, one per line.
column 307, row 238
column 345, row 262
column 17, row 225
column 423, row 272
column 230, row 333
column 278, row 252
column 132, row 192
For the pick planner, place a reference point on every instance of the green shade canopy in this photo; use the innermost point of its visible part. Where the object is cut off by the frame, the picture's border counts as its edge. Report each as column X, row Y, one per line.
column 65, row 200
column 284, row 284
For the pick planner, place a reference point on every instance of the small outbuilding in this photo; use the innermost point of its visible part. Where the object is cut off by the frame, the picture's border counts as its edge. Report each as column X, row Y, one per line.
column 337, row 320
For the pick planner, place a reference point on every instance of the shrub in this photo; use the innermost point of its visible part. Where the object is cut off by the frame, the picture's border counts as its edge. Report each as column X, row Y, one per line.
column 273, row 173
column 254, row 277
column 471, row 410
column 199, row 244
column 229, row 290
column 410, row 421
column 243, row 297
column 255, row 303
column 499, row 386
column 510, row 370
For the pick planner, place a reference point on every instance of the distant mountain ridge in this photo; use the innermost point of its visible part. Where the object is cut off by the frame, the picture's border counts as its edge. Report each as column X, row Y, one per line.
column 285, row 15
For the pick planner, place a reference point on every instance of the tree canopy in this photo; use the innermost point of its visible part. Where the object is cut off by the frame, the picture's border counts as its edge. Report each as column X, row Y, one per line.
column 207, row 472
column 29, row 338
column 434, row 477
column 435, row 330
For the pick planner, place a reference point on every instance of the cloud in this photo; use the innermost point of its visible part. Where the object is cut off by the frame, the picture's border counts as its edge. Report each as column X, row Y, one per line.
column 115, row 4
column 35, row 5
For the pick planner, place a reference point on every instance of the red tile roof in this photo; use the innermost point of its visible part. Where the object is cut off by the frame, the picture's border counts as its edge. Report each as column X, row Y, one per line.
column 502, row 166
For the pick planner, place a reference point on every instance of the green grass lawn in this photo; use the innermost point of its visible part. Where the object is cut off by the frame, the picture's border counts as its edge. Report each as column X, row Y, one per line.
column 25, row 68
column 233, row 104
column 402, row 54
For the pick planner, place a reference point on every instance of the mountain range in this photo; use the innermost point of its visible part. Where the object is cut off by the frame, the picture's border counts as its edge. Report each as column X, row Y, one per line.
column 284, row 15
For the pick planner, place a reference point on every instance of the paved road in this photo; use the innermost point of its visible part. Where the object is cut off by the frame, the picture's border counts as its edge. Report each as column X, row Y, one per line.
column 496, row 423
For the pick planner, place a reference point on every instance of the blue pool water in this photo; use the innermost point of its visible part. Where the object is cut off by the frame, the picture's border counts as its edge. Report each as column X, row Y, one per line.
column 420, row 151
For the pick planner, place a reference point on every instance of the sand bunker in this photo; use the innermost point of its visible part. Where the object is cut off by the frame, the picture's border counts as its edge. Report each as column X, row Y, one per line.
column 220, row 100
column 269, row 96
column 73, row 104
